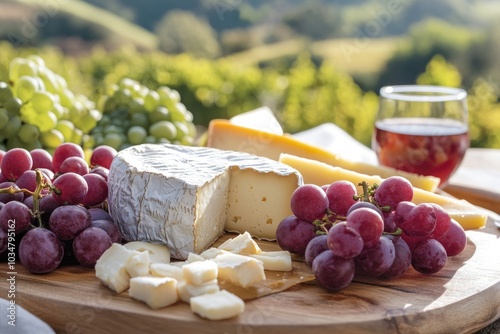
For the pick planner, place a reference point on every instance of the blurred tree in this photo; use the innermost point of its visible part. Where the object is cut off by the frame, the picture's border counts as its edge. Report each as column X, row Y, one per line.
column 440, row 73
column 181, row 31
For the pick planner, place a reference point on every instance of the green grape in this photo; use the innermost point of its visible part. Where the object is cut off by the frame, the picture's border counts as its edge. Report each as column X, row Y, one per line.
column 76, row 112
column 66, row 128
column 28, row 114
column 89, row 120
column 136, row 135
column 192, row 129
column 136, row 106
column 37, row 60
column 60, row 111
column 111, row 89
column 140, row 120
column 52, row 138
column 182, row 129
column 77, row 136
column 12, row 127
column 163, row 129
column 15, row 141
column 151, row 101
column 5, row 93
column 42, row 101
column 4, row 117
column 114, row 140
column 187, row 140
column 61, row 82
column 112, row 129
column 25, row 87
column 13, row 106
column 28, row 133
column 168, row 97
column 122, row 96
column 163, row 141
column 67, row 97
column 46, row 121
column 159, row 114
column 88, row 142
column 49, row 80
column 126, row 83
column 150, row 140
column 188, row 116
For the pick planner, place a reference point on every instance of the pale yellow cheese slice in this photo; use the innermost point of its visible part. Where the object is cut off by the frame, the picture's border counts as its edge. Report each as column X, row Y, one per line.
column 320, row 173
column 226, row 135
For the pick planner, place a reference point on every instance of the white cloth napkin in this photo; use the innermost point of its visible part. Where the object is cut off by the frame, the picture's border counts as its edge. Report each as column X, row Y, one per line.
column 25, row 322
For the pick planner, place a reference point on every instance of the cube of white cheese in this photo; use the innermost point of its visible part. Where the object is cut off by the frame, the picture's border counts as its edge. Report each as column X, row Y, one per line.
column 110, row 269
column 240, row 269
column 241, row 244
column 211, row 253
column 138, row 264
column 166, row 270
column 275, row 260
column 217, row 306
column 186, row 291
column 156, row 292
column 200, row 272
column 192, row 257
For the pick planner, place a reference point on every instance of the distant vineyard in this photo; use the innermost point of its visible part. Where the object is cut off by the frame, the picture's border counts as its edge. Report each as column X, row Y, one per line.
column 302, row 96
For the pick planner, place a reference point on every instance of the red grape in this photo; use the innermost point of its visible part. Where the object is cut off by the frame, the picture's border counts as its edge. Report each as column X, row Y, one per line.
column 40, row 251
column 333, row 272
column 97, row 190
column 377, row 259
column 68, row 221
column 4, row 241
column 15, row 162
column 428, row 256
column 5, row 198
column 393, row 190
column 74, row 164
column 27, row 180
column 309, row 202
column 293, row 234
column 454, row 240
column 420, row 221
column 15, row 214
column 64, row 151
column 368, row 223
column 99, row 214
column 443, row 222
column 89, row 245
column 402, row 260
column 390, row 224
column 110, row 228
column 48, row 204
column 362, row 204
column 102, row 156
column 340, row 196
column 104, row 172
column 317, row 245
column 73, row 188
column 41, row 159
column 344, row 241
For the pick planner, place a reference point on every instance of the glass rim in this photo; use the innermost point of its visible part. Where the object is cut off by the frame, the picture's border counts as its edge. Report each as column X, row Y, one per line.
column 399, row 92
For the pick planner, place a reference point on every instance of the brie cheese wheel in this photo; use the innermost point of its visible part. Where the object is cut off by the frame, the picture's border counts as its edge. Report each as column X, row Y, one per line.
column 185, row 196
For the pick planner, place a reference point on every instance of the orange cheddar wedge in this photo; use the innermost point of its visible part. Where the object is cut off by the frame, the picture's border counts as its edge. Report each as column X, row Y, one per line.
column 316, row 172
column 225, row 135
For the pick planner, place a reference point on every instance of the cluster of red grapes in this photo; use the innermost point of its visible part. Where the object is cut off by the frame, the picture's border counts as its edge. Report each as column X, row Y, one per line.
column 379, row 233
column 53, row 207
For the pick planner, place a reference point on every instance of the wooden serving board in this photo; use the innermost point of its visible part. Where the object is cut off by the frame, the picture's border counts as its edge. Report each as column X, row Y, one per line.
column 462, row 298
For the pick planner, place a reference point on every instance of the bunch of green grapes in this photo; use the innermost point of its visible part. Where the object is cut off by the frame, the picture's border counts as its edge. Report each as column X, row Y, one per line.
column 134, row 114
column 38, row 110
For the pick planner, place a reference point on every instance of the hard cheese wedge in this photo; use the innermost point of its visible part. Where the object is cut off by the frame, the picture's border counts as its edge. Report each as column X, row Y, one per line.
column 226, row 135
column 320, row 173
column 185, row 197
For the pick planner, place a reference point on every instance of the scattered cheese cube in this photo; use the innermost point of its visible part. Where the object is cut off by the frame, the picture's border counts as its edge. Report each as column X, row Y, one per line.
column 276, row 260
column 240, row 269
column 242, row 244
column 200, row 272
column 192, row 257
column 110, row 268
column 156, row 292
column 211, row 253
column 217, row 306
column 187, row 291
column 166, row 270
column 158, row 253
column 138, row 264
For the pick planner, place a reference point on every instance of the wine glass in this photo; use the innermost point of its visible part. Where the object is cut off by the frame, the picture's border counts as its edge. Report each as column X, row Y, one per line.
column 422, row 129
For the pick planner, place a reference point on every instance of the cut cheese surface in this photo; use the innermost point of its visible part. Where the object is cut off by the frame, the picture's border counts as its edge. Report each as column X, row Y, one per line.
column 225, row 135
column 156, row 292
column 320, row 173
column 218, row 305
column 184, row 197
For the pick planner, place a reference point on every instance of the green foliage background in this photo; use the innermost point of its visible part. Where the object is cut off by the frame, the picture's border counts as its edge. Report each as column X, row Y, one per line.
column 302, row 97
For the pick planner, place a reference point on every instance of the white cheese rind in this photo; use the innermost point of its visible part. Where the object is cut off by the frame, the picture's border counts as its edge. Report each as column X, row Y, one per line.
column 185, row 197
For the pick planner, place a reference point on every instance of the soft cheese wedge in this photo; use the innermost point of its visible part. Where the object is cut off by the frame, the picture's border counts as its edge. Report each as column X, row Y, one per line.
column 241, row 244
column 238, row 269
column 156, row 292
column 217, row 306
column 184, row 197
column 320, row 173
column 223, row 134
column 275, row 260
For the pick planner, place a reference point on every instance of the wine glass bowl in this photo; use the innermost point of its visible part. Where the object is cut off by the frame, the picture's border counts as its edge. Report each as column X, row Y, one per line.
column 422, row 129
